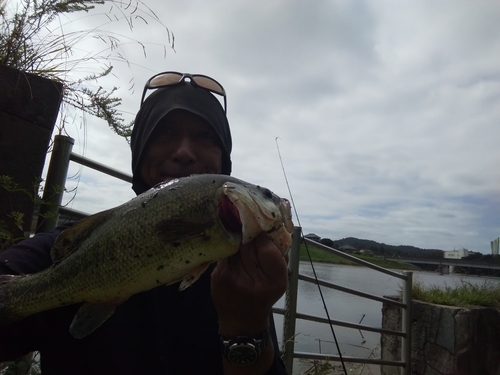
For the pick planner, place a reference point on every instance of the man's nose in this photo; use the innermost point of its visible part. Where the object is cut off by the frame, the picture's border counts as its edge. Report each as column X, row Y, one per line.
column 184, row 151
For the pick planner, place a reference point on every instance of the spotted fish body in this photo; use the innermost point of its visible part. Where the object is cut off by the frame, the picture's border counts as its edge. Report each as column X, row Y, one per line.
column 170, row 233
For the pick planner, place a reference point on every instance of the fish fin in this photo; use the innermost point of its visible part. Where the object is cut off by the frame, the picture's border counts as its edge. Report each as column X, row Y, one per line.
column 70, row 238
column 177, row 230
column 190, row 279
column 6, row 315
column 89, row 317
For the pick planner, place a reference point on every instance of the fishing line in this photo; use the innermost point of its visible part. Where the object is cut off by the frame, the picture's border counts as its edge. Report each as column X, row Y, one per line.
column 310, row 259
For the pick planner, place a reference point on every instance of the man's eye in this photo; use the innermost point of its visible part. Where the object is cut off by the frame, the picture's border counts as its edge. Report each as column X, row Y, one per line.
column 165, row 137
column 205, row 136
column 166, row 134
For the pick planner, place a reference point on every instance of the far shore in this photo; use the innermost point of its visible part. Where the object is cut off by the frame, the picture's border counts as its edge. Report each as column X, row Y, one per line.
column 320, row 256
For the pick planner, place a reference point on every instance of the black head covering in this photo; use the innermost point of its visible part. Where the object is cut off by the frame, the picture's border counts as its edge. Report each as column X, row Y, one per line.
column 164, row 100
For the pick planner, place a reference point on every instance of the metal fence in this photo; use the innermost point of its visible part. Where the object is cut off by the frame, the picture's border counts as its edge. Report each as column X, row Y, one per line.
column 52, row 197
column 291, row 313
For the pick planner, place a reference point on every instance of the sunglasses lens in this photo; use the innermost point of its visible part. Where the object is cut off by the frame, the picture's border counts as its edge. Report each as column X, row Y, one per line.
column 173, row 78
column 165, row 80
column 209, row 84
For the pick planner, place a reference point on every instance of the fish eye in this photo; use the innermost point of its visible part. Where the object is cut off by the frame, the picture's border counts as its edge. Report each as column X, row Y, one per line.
column 267, row 193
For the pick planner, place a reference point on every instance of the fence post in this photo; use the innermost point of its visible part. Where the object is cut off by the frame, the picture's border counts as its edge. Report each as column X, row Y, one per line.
column 407, row 323
column 55, row 182
column 291, row 302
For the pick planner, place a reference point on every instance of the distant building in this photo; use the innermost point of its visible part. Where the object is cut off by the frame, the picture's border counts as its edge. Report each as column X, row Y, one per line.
column 494, row 246
column 313, row 237
column 456, row 254
column 366, row 252
column 347, row 248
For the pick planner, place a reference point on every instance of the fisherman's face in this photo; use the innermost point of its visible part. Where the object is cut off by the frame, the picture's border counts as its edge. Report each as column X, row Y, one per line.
column 183, row 144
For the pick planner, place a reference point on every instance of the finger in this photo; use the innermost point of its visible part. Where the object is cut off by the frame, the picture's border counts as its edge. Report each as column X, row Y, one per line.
column 249, row 257
column 271, row 260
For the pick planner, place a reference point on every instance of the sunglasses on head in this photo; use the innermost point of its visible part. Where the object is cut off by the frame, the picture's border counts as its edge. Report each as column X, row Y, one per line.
column 173, row 78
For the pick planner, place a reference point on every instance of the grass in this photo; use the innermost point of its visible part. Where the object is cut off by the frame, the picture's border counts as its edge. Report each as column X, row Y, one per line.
column 36, row 37
column 464, row 294
column 321, row 256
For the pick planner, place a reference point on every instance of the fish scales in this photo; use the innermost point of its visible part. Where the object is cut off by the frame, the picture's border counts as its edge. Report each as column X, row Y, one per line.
column 169, row 233
column 117, row 251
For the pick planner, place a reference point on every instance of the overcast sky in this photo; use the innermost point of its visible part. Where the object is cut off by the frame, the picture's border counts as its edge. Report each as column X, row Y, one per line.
column 387, row 113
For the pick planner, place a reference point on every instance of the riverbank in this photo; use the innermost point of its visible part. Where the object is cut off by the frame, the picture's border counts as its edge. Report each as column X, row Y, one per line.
column 320, row 256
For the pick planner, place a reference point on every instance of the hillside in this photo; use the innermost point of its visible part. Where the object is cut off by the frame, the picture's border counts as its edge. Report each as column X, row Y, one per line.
column 388, row 250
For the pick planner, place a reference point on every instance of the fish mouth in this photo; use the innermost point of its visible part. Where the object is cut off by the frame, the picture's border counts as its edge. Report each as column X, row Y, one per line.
column 258, row 210
column 230, row 216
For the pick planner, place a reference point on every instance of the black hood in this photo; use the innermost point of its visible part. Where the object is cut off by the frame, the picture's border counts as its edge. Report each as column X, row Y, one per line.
column 164, row 100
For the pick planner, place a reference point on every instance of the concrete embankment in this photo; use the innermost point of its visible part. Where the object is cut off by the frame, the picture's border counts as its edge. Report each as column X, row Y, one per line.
column 446, row 340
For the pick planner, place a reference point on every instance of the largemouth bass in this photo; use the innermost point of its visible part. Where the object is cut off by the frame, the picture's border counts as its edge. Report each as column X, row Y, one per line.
column 170, row 233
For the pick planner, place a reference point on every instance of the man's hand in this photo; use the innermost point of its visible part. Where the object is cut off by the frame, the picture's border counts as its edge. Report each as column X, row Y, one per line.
column 245, row 287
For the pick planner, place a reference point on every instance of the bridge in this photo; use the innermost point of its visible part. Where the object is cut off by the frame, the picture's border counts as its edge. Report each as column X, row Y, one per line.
column 452, row 262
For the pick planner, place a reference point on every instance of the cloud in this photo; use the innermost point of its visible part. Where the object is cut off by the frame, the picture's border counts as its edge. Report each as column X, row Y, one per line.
column 386, row 113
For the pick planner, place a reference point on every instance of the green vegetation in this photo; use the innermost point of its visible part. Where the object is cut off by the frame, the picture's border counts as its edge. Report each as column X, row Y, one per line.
column 321, row 256
column 384, row 249
column 465, row 294
column 318, row 255
column 37, row 37
column 325, row 367
column 319, row 368
column 14, row 219
column 483, row 257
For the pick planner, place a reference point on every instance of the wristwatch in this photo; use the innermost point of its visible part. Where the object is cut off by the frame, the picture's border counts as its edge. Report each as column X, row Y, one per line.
column 244, row 350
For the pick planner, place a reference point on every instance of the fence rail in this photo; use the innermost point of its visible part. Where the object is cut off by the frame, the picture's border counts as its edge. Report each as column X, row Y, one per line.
column 289, row 352
column 99, row 167
column 53, row 193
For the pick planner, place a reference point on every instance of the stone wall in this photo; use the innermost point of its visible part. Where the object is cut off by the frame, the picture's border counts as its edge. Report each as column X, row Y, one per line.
column 445, row 340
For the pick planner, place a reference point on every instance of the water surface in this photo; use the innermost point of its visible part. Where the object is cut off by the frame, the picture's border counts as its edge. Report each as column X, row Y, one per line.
column 318, row 337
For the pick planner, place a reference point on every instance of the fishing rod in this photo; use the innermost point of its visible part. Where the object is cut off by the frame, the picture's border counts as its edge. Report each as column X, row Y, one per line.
column 310, row 260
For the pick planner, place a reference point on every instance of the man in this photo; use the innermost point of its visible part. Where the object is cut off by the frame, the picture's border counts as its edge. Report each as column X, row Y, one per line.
column 181, row 129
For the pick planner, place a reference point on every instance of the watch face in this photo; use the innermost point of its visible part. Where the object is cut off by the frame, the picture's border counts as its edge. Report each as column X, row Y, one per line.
column 242, row 354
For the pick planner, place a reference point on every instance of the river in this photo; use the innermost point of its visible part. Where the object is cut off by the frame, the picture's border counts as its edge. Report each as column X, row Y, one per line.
column 318, row 337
